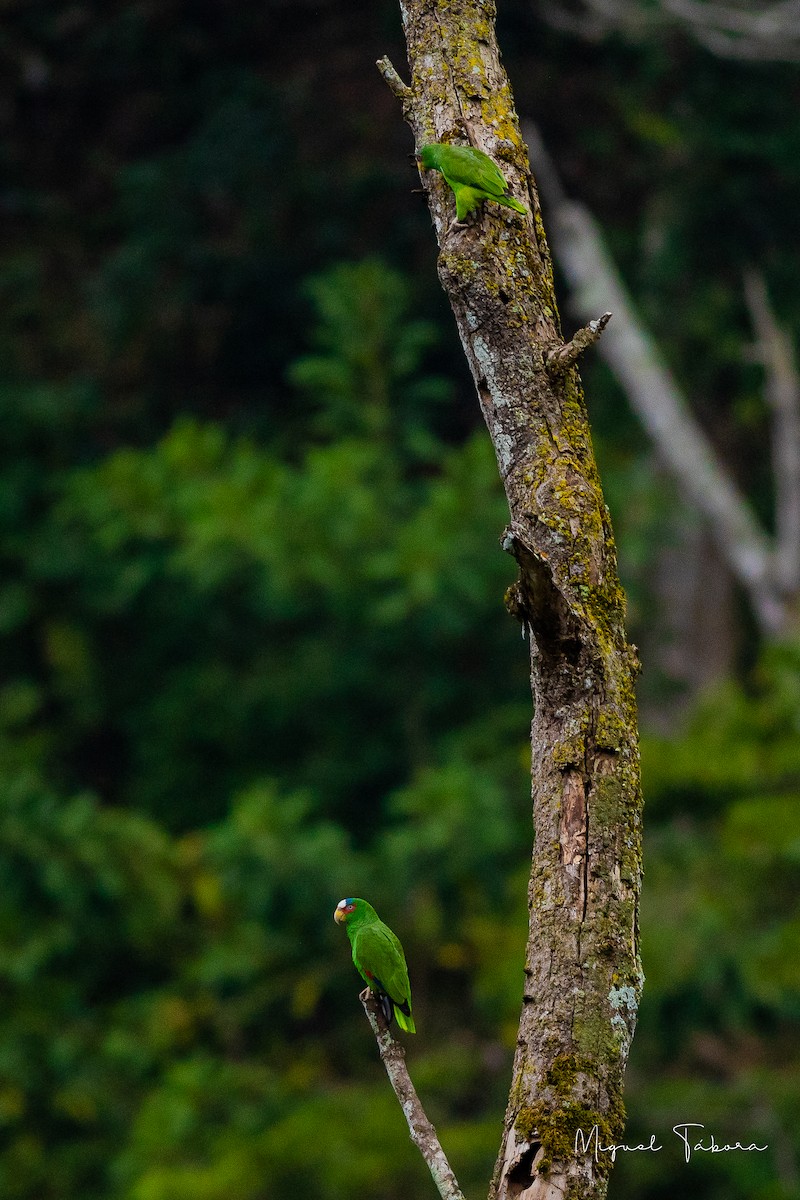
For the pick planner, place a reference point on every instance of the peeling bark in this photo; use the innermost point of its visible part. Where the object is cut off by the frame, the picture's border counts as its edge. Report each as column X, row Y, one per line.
column 582, row 970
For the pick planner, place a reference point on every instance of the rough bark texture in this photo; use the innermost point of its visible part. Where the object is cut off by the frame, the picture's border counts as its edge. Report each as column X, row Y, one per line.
column 582, row 971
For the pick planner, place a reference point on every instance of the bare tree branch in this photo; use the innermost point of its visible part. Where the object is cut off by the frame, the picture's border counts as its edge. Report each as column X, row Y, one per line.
column 593, row 20
column 558, row 360
column 782, row 390
column 654, row 395
column 739, row 29
column 745, row 30
column 423, row 1134
column 395, row 83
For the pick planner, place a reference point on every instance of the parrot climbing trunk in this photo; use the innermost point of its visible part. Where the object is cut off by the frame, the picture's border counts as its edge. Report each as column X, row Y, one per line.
column 473, row 176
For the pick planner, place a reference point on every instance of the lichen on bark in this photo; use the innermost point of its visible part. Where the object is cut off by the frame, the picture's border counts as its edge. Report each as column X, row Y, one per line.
column 582, row 976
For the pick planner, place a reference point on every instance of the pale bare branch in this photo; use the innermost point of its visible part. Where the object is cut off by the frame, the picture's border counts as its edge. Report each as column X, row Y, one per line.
column 423, row 1134
column 632, row 354
column 739, row 29
column 782, row 391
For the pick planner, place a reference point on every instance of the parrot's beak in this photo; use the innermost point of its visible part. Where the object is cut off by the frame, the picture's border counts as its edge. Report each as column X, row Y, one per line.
column 338, row 916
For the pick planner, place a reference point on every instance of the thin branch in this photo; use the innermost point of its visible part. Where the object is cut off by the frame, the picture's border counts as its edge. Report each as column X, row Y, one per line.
column 396, row 84
column 755, row 32
column 422, row 1132
column 655, row 397
column 746, row 30
column 782, row 390
column 556, row 361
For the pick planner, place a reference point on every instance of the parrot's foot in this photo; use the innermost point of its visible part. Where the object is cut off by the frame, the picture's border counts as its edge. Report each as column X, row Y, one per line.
column 457, row 226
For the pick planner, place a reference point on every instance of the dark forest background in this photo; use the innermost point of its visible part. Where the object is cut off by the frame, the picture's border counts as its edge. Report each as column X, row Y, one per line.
column 255, row 655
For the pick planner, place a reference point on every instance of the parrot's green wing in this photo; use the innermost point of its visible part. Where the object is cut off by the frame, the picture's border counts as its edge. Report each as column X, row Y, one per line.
column 379, row 957
column 472, row 175
column 468, row 167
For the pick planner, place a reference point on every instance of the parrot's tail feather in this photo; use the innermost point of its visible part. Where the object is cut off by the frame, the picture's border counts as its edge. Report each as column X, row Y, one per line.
column 510, row 202
column 386, row 1007
column 405, row 1019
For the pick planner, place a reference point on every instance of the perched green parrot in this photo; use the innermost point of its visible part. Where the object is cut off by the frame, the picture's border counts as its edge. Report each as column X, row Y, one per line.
column 471, row 174
column 379, row 959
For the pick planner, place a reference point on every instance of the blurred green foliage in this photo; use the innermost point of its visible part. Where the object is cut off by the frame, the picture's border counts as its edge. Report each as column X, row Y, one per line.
column 254, row 650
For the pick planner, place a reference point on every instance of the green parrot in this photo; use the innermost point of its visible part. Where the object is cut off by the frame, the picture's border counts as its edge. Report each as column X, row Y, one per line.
column 471, row 174
column 379, row 959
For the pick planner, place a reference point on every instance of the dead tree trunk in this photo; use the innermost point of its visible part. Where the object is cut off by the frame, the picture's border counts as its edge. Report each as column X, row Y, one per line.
column 582, row 971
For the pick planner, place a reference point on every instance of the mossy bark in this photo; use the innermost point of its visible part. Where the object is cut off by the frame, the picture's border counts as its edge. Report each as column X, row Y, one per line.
column 582, row 970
